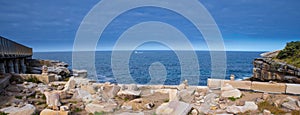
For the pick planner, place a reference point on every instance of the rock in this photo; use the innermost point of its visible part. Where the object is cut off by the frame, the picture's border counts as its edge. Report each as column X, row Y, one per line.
column 186, row 95
column 239, row 103
column 266, row 112
column 28, row 109
column 174, row 107
column 249, row 106
column 80, row 73
column 298, row 103
column 103, row 107
column 79, row 93
column 110, row 91
column 128, row 94
column 229, row 91
column 70, row 84
column 138, row 105
column 183, row 85
column 194, row 112
column 44, row 69
column 265, row 96
column 132, row 87
column 13, row 88
column 173, row 95
column 232, row 77
column 131, row 113
column 60, row 87
column 89, row 87
column 290, row 105
column 52, row 99
column 64, row 108
column 52, row 112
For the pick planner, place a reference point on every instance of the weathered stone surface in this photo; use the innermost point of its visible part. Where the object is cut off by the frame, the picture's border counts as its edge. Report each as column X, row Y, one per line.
column 268, row 87
column 80, row 73
column 229, row 91
column 186, row 95
column 173, row 95
column 110, row 91
column 28, row 109
column 70, row 84
column 214, row 83
column 89, row 87
column 131, row 113
column 266, row 112
column 293, row 88
column 183, row 85
column 238, row 84
column 174, row 108
column 83, row 95
column 103, row 107
column 128, row 94
column 290, row 103
column 13, row 88
column 52, row 112
column 52, row 99
column 138, row 105
column 249, row 106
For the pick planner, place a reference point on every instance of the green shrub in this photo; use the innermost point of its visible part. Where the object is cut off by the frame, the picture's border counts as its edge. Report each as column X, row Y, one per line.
column 291, row 53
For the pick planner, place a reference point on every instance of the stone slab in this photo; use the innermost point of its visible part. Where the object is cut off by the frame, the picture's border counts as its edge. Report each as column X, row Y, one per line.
column 268, row 87
column 4, row 80
column 214, row 83
column 293, row 88
column 238, row 84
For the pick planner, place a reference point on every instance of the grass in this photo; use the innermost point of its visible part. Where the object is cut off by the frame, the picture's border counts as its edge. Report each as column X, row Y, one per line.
column 233, row 98
column 33, row 80
column 266, row 105
column 77, row 109
column 295, row 112
column 166, row 100
column 99, row 113
column 19, row 97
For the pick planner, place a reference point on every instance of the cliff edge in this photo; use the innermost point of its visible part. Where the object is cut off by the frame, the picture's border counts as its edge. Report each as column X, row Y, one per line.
column 282, row 65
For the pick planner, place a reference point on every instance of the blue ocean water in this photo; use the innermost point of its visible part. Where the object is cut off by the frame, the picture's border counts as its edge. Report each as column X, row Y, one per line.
column 238, row 63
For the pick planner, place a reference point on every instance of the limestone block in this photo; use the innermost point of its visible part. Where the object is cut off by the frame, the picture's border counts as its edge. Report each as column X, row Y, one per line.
column 238, row 84
column 293, row 88
column 214, row 83
column 268, row 87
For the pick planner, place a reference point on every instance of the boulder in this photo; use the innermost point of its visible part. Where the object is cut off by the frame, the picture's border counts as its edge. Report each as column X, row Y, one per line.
column 173, row 95
column 28, row 109
column 266, row 112
column 249, row 106
column 83, row 95
column 128, row 94
column 110, row 91
column 70, row 84
column 290, row 103
column 13, row 88
column 52, row 112
column 229, row 91
column 183, row 85
column 138, row 105
column 103, row 107
column 52, row 99
column 92, row 89
column 80, row 73
column 174, row 108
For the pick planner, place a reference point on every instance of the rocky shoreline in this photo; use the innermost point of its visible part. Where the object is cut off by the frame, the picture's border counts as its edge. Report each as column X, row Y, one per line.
column 56, row 90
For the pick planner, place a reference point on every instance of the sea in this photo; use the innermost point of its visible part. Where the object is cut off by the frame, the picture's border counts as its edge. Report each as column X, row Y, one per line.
column 165, row 63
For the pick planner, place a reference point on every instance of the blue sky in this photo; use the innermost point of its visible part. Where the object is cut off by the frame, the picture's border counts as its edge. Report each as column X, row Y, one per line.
column 246, row 25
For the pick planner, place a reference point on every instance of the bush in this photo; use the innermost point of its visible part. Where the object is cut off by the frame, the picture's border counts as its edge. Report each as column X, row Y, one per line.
column 291, row 53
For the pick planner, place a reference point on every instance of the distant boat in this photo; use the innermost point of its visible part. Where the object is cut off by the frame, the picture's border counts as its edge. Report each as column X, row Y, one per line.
column 138, row 52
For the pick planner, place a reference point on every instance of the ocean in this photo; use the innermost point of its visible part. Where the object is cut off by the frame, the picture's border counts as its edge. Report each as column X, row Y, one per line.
column 238, row 63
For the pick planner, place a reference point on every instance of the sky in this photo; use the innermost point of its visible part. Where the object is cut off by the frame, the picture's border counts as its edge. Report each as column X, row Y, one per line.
column 246, row 25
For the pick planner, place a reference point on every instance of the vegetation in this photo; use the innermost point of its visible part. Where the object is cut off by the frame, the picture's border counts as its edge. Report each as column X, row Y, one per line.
column 273, row 109
column 291, row 53
column 233, row 98
column 99, row 113
column 3, row 113
column 33, row 80
column 18, row 97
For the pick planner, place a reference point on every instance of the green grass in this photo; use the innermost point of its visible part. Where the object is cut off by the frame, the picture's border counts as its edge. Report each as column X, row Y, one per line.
column 266, row 105
column 33, row 80
column 233, row 98
column 99, row 113
column 18, row 97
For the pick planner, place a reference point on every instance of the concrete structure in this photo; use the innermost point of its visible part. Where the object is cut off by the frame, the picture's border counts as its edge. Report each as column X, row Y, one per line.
column 12, row 56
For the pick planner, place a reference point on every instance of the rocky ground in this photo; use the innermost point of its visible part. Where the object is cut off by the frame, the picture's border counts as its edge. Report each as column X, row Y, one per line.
column 82, row 96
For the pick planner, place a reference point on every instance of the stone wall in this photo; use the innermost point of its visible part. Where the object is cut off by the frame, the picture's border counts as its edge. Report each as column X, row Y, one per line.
column 270, row 87
column 266, row 69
